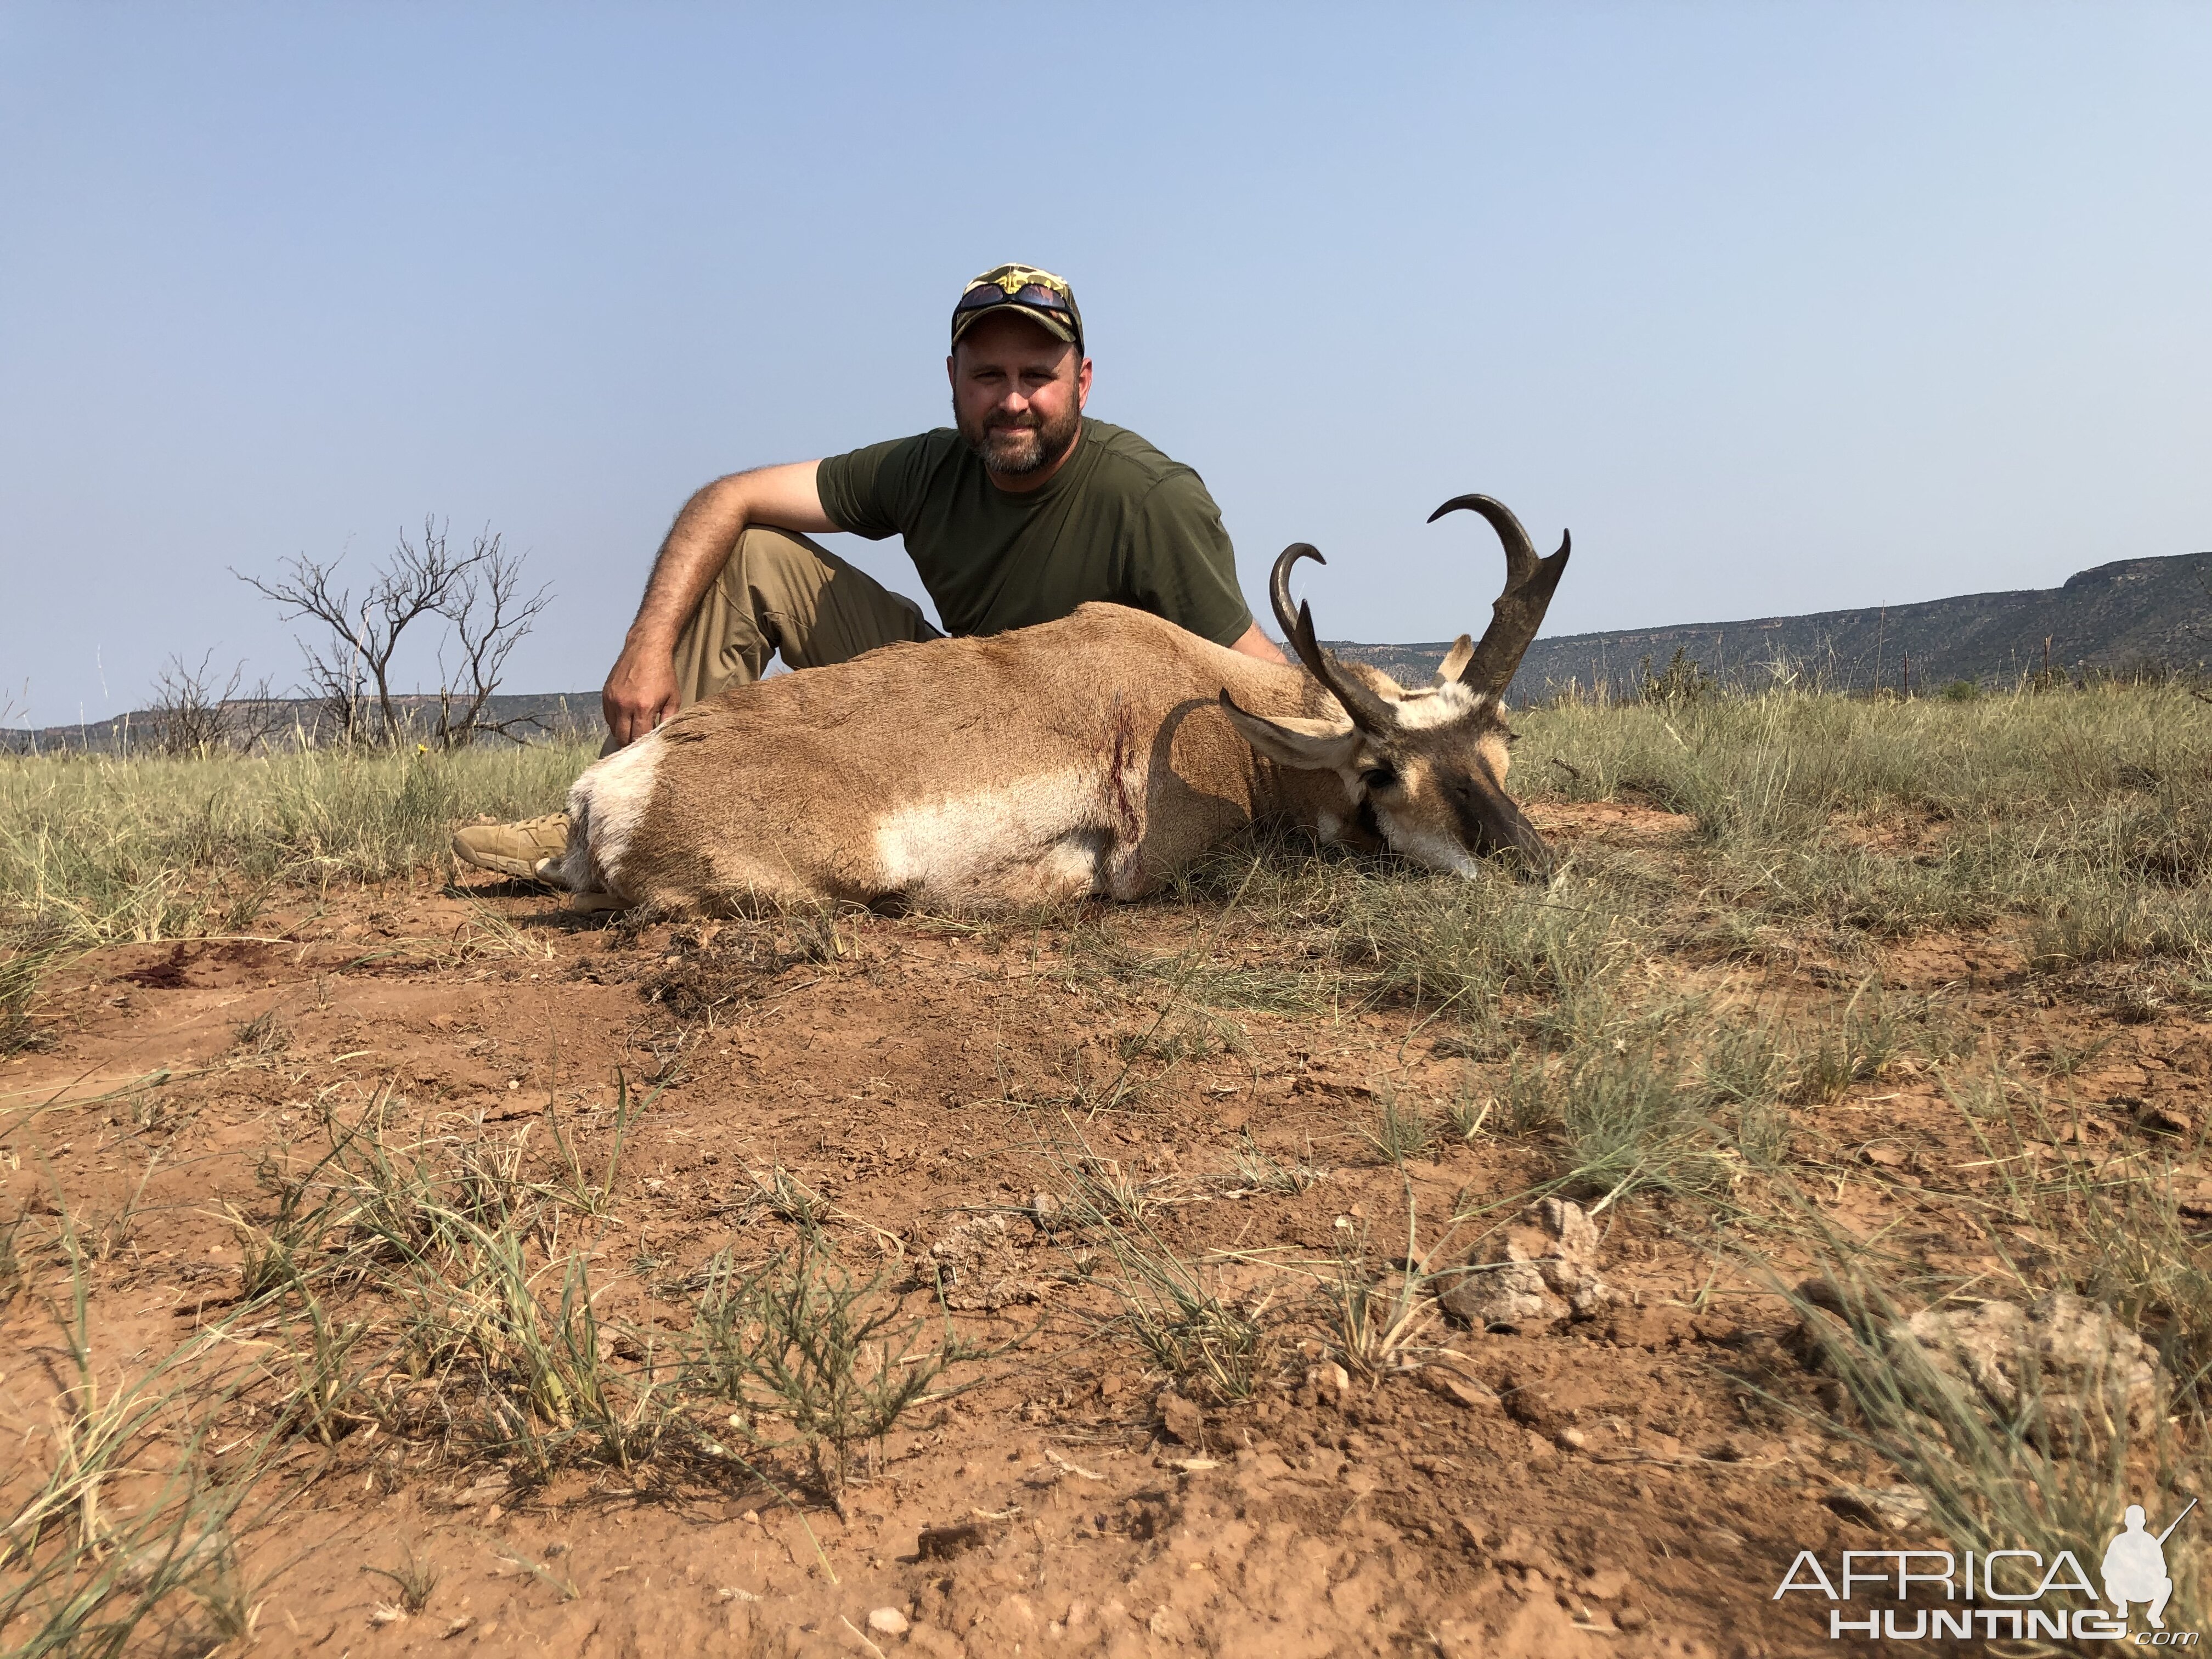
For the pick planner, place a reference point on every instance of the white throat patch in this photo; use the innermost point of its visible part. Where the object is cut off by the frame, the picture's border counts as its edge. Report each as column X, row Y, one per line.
column 1424, row 846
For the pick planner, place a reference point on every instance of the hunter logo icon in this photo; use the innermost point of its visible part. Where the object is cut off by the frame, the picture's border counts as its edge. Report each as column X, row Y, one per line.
column 2134, row 1565
column 2011, row 1594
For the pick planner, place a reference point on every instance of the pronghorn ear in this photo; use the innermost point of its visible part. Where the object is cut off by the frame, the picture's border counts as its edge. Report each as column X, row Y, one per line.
column 1309, row 745
column 1455, row 660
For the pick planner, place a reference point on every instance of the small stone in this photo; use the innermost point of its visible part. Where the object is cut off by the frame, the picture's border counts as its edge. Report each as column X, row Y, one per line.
column 1573, row 1439
column 1631, row 1618
column 1179, row 1418
column 1519, row 1548
column 1885, row 1509
column 2054, row 1367
column 979, row 1267
column 2166, row 1119
column 887, row 1621
column 1545, row 1272
column 1169, row 1624
column 1454, row 1387
column 943, row 1543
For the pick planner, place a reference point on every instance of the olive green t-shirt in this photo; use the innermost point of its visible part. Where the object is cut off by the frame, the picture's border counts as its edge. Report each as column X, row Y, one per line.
column 1120, row 521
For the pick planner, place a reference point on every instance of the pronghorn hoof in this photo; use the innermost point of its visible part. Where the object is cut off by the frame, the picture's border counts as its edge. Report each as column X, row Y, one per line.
column 592, row 903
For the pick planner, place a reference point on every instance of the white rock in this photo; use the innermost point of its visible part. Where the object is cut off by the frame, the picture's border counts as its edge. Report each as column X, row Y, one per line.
column 887, row 1621
column 1540, row 1274
column 2059, row 1366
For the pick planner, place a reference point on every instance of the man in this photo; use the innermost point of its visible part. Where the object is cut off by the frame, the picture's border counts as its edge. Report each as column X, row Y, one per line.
column 1023, row 510
column 2134, row 1567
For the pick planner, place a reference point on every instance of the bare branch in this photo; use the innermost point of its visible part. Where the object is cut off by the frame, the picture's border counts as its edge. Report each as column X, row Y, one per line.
column 478, row 593
column 187, row 709
column 489, row 615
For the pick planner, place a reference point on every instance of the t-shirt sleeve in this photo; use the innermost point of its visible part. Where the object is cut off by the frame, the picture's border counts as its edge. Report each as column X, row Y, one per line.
column 1180, row 564
column 875, row 491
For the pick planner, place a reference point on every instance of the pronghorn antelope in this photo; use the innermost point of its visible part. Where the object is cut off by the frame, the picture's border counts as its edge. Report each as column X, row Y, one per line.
column 1090, row 756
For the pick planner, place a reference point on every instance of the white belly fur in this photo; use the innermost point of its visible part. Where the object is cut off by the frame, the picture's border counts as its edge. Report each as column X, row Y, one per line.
column 1044, row 837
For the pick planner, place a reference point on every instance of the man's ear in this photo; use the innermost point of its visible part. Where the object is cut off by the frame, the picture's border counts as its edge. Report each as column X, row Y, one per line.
column 1083, row 384
column 1307, row 745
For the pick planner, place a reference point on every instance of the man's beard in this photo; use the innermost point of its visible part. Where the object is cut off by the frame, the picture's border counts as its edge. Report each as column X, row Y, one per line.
column 1015, row 449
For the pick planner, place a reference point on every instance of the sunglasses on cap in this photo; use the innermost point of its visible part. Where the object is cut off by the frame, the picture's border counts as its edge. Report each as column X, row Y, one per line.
column 984, row 295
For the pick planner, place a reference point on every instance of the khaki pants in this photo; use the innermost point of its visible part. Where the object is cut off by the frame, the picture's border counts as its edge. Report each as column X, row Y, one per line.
column 783, row 594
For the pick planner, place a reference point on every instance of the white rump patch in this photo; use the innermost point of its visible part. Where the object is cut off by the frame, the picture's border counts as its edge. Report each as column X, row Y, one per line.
column 604, row 807
column 1043, row 837
column 1422, row 710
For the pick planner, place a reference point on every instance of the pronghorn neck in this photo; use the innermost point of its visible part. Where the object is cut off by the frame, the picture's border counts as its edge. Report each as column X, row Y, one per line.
column 1314, row 801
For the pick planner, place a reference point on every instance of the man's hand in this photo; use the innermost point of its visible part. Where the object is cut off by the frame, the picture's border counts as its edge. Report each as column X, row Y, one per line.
column 640, row 693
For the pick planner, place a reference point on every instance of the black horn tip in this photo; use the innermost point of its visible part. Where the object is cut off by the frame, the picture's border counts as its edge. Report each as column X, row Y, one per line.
column 1228, row 702
column 1454, row 504
column 1566, row 545
column 1298, row 550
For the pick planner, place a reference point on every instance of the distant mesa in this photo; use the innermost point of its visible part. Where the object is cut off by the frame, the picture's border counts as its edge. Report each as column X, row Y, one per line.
column 282, row 722
column 2131, row 615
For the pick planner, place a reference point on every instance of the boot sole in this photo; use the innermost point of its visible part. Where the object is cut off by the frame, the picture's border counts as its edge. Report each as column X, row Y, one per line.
column 520, row 870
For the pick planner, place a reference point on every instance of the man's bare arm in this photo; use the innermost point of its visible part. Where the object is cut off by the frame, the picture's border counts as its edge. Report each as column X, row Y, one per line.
column 641, row 690
column 1253, row 643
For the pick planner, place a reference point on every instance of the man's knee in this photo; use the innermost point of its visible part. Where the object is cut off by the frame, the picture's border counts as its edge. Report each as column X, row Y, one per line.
column 783, row 569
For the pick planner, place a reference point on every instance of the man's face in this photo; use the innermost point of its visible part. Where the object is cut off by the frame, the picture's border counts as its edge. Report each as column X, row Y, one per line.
column 1018, row 395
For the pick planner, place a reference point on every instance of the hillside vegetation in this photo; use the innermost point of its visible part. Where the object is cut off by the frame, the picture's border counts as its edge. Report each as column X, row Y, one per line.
column 2141, row 617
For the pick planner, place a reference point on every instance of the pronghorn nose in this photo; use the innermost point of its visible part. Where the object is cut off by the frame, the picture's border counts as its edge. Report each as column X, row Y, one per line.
column 1503, row 827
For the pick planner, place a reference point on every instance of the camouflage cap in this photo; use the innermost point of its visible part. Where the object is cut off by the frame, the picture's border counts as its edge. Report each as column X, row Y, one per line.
column 1044, row 299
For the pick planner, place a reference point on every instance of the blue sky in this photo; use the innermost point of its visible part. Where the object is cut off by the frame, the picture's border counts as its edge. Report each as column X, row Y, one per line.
column 1781, row 308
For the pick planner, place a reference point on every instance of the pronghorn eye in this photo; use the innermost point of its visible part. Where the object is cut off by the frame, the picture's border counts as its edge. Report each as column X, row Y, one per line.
column 1380, row 777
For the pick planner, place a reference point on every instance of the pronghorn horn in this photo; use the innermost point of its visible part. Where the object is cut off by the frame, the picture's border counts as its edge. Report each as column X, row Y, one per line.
column 1369, row 712
column 1279, row 584
column 1518, row 611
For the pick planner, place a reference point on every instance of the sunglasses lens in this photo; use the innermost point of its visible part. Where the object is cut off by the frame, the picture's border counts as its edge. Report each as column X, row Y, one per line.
column 990, row 293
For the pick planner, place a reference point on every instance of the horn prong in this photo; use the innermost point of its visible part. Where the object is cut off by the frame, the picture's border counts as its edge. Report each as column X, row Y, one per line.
column 1367, row 711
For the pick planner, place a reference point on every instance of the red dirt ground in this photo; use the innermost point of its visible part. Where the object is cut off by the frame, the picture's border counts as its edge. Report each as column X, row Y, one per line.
column 1616, row 1487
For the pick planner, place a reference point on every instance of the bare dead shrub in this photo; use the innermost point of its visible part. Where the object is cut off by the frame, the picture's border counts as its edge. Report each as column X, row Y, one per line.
column 478, row 594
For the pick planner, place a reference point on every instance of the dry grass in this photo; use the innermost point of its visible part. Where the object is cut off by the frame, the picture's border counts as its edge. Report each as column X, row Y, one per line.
column 98, row 850
column 1646, row 1039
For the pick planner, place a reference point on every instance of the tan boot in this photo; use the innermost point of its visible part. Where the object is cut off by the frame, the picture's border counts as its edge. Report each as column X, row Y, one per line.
column 514, row 849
